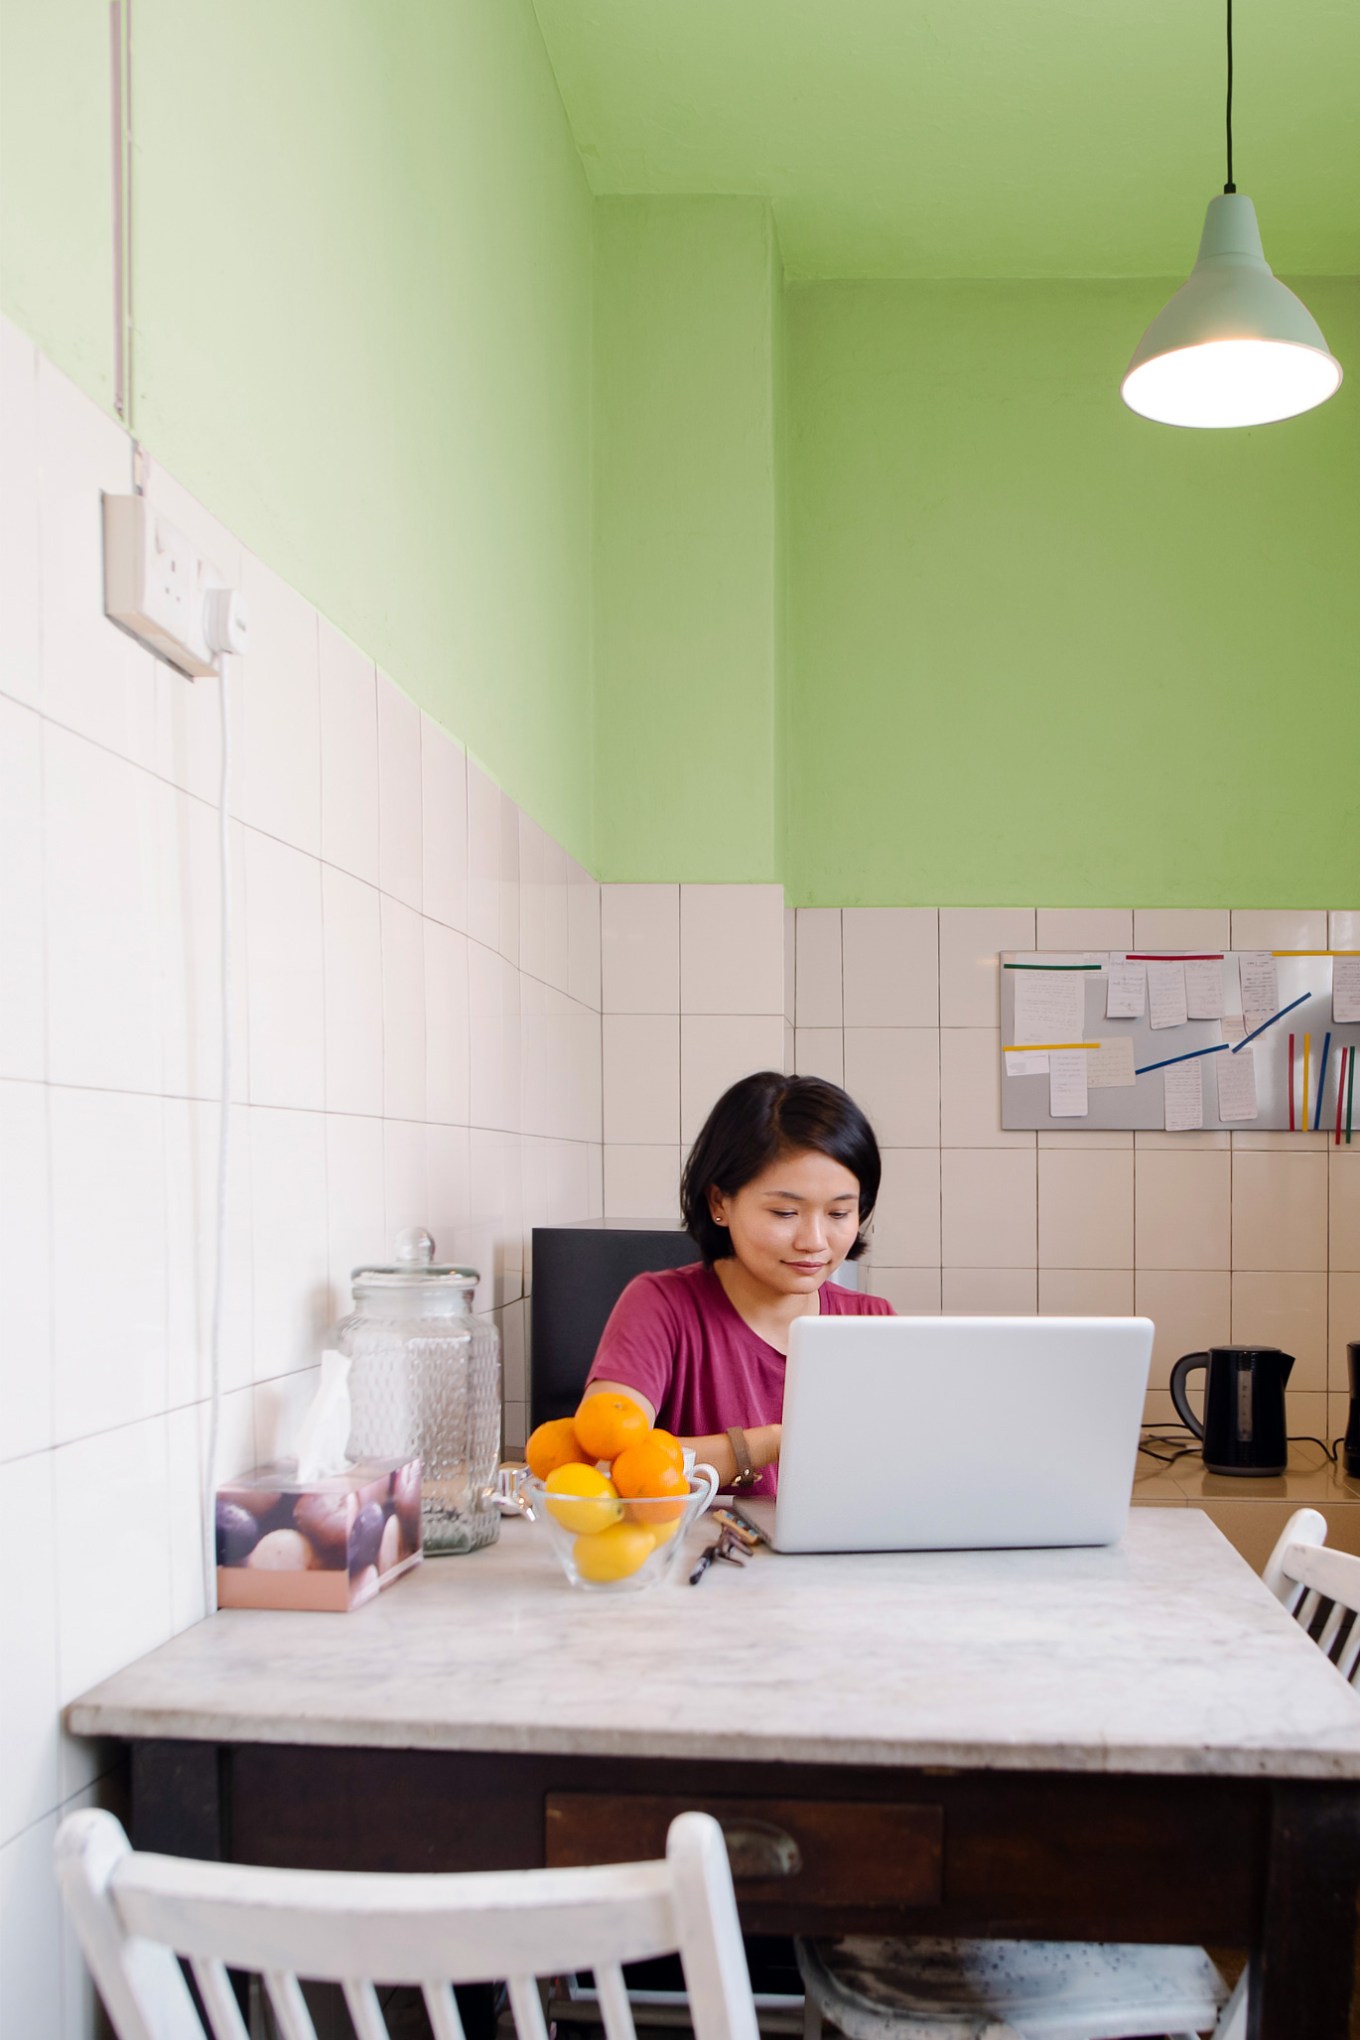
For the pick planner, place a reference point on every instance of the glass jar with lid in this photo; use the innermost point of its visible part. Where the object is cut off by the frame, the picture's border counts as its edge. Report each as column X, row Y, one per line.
column 425, row 1377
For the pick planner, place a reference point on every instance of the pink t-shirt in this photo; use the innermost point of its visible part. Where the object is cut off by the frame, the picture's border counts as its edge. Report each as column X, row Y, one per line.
column 675, row 1337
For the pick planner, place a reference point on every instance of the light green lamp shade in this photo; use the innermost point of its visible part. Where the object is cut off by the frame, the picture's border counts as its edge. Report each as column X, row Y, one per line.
column 1234, row 346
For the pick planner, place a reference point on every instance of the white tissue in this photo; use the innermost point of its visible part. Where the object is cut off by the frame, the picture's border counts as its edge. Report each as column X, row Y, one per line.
column 324, row 1433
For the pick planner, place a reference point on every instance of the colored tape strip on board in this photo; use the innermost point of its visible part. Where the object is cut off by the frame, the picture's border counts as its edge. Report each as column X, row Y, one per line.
column 1340, row 1087
column 1193, row 1056
column 1322, row 1079
column 1042, row 1047
column 1301, row 1000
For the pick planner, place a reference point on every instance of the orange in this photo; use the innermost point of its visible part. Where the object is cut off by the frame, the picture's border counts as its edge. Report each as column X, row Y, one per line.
column 671, row 1445
column 648, row 1506
column 589, row 1501
column 607, row 1423
column 639, row 1468
column 552, row 1445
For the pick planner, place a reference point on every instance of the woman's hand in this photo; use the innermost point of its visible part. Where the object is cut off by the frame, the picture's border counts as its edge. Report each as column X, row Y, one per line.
column 762, row 1442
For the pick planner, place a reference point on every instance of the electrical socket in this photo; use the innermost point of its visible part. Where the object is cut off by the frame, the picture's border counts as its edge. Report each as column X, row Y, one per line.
column 156, row 585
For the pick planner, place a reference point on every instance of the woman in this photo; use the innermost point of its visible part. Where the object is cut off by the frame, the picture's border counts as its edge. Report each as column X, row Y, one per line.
column 776, row 1194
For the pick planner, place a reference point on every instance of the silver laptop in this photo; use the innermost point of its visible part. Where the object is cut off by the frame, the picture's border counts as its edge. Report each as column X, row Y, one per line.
column 965, row 1433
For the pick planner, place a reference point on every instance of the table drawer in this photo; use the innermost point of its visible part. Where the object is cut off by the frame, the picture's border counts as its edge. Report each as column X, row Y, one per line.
column 813, row 1852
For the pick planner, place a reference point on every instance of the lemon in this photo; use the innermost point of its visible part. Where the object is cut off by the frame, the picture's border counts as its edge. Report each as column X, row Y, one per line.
column 614, row 1554
column 662, row 1533
column 583, row 1512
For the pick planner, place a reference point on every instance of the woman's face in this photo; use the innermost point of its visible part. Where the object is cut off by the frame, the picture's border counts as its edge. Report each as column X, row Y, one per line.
column 794, row 1224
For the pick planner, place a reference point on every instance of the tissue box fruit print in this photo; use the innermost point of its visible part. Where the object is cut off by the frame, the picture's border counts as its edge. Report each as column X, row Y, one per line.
column 331, row 1543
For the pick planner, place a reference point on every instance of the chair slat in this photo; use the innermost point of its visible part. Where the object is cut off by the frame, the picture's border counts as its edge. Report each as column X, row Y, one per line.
column 219, row 2000
column 1331, row 1629
column 442, row 2006
column 1348, row 1661
column 361, row 2001
column 1306, row 1613
column 527, row 2007
column 288, row 2005
column 1334, row 1573
column 614, row 2006
column 464, row 1927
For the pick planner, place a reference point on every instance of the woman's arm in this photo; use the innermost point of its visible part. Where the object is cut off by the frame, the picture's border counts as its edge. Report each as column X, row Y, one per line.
column 762, row 1442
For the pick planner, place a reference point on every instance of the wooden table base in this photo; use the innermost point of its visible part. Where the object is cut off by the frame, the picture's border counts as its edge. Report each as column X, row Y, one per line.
column 829, row 1849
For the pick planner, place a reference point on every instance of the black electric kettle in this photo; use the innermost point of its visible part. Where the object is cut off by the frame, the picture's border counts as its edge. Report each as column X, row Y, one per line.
column 1244, row 1427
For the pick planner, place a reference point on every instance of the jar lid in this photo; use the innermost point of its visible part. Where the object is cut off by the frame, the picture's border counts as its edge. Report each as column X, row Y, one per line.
column 413, row 1266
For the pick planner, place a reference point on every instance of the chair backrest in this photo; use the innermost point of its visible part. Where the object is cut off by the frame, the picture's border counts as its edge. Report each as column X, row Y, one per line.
column 1320, row 1588
column 580, row 1272
column 135, row 1914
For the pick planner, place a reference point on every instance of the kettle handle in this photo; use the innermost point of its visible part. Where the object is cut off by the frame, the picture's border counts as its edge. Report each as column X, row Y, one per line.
column 1180, row 1373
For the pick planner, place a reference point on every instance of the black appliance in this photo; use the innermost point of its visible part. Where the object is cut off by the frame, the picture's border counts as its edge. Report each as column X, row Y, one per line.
column 580, row 1271
column 1244, row 1425
column 1352, row 1445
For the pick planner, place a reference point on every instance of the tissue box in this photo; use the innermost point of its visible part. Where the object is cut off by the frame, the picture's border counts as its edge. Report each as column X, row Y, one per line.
column 331, row 1543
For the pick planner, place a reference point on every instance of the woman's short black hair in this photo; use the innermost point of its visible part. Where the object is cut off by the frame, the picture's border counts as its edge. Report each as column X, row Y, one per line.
column 760, row 1118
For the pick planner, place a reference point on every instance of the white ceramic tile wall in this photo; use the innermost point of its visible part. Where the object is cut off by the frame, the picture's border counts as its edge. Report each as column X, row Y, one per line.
column 393, row 1064
column 1213, row 1236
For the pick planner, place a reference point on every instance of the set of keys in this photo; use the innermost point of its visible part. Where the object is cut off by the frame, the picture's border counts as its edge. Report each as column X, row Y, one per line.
column 737, row 1538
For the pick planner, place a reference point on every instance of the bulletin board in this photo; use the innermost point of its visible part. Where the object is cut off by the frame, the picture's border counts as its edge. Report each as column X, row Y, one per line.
column 1166, row 1040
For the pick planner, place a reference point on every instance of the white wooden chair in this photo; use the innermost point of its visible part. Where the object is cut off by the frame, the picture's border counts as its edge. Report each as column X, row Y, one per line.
column 136, row 1914
column 1320, row 1588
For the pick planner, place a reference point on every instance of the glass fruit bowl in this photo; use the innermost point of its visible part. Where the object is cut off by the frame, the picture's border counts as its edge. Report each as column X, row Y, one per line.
column 612, row 1544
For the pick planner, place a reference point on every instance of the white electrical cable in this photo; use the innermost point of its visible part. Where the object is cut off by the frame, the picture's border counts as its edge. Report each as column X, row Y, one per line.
column 224, row 665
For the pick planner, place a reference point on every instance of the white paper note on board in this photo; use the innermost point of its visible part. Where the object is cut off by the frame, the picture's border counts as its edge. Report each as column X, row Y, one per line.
column 1110, row 1067
column 1184, row 1088
column 1237, row 1085
column 1025, row 1063
column 1260, row 986
column 1232, row 985
column 1050, row 1005
column 1067, row 1084
column 1126, row 990
column 1204, row 988
column 1166, row 995
column 1346, row 988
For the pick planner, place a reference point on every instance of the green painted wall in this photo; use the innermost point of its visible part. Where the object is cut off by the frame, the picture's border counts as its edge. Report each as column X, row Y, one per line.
column 872, row 586
column 361, row 290
column 906, row 138
column 686, row 319
column 56, row 183
column 1045, row 652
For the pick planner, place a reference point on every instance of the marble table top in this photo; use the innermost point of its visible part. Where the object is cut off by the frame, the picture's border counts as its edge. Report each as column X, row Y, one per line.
column 1161, row 1654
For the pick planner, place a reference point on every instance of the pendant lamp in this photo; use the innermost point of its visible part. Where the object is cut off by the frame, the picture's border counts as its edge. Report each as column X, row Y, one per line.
column 1234, row 346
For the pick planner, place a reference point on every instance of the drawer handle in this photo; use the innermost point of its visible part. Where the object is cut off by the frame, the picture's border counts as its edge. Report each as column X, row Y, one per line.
column 758, row 1849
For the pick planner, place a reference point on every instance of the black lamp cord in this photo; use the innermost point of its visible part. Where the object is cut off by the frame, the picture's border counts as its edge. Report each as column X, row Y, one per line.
column 1230, row 186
